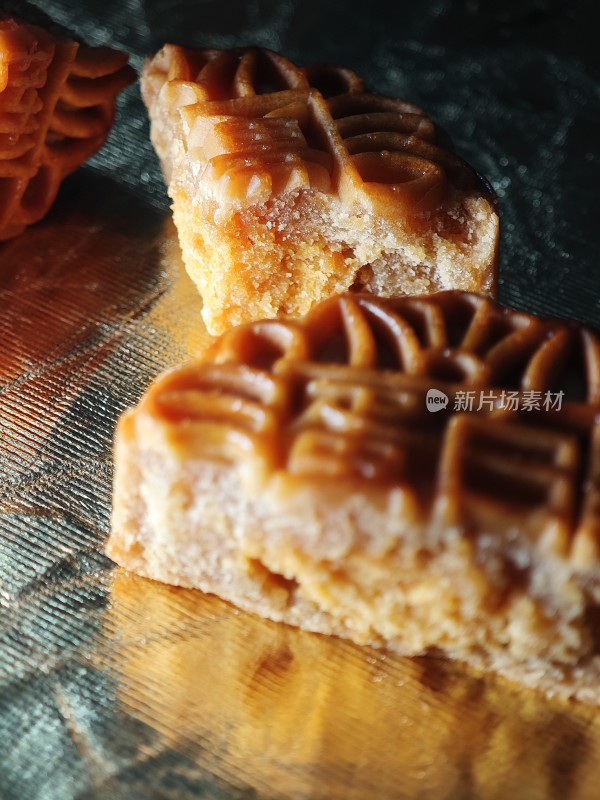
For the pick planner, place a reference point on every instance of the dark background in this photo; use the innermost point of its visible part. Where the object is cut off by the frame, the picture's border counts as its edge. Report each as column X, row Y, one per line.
column 515, row 83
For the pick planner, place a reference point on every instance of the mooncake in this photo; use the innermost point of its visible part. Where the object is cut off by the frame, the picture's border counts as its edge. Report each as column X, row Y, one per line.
column 292, row 184
column 418, row 473
column 57, row 106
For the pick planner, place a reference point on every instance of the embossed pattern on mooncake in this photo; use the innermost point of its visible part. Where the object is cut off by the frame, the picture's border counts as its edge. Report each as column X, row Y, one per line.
column 343, row 395
column 262, row 124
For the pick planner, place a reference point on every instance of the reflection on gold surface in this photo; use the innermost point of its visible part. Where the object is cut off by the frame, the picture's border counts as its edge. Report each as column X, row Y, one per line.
column 297, row 715
column 92, row 311
column 69, row 290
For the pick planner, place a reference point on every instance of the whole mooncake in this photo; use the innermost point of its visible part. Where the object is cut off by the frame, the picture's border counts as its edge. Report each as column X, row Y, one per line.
column 57, row 106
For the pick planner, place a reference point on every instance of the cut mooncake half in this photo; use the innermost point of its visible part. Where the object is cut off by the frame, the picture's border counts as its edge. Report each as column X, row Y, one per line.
column 420, row 473
column 291, row 184
column 57, row 106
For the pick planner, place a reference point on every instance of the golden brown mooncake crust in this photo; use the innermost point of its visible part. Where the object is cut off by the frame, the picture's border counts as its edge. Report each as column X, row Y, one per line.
column 296, row 470
column 290, row 184
column 57, row 105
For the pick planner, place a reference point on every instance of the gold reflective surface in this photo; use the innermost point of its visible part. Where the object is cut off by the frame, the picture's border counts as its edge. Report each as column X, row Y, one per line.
column 294, row 714
column 115, row 687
